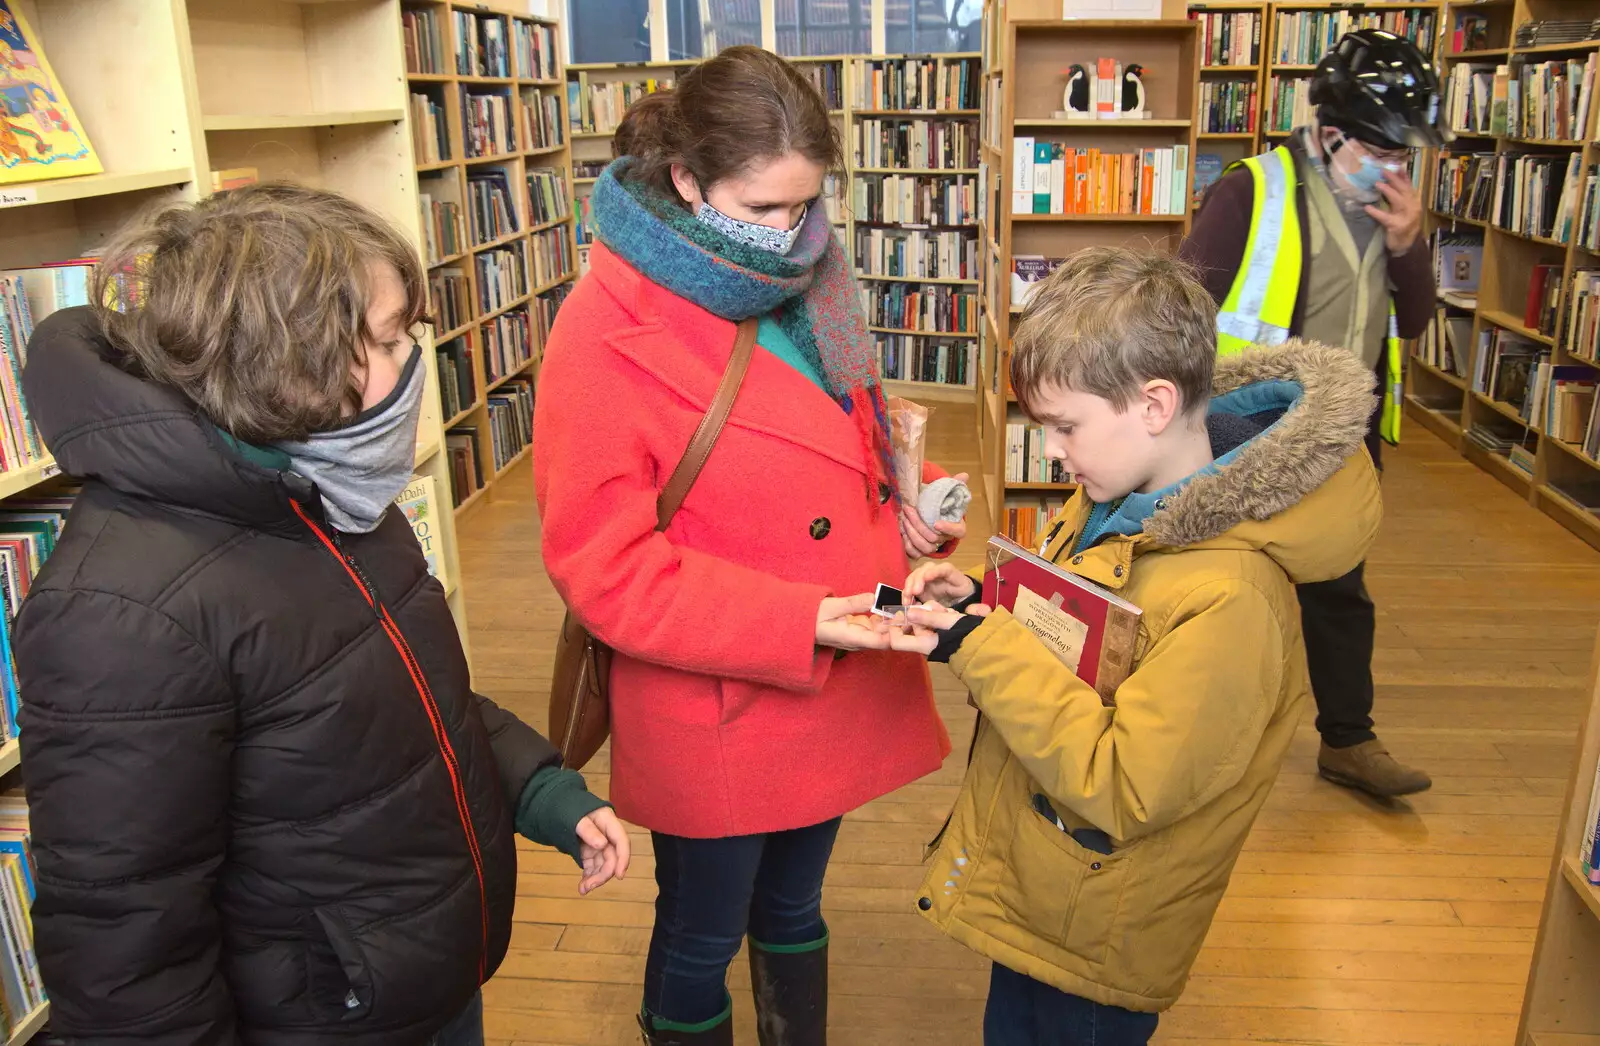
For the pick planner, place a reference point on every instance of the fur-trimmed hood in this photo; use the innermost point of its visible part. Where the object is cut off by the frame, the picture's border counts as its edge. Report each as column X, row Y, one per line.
column 1302, row 490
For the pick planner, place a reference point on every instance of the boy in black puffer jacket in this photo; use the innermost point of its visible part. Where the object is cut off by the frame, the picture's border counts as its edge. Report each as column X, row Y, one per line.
column 267, row 807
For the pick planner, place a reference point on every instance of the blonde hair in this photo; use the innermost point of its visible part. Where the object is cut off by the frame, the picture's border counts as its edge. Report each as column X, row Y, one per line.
column 1111, row 319
column 253, row 304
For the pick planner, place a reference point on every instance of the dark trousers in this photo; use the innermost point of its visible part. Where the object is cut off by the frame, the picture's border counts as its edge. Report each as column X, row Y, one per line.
column 466, row 1029
column 1025, row 1012
column 1339, row 623
column 714, row 891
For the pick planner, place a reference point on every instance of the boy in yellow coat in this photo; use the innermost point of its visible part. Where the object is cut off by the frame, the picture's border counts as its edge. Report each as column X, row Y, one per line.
column 1091, row 842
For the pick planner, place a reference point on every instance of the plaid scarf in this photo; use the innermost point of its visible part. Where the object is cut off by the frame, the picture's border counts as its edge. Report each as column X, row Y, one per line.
column 810, row 291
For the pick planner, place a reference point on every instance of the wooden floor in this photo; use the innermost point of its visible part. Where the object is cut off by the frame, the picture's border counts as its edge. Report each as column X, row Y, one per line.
column 1346, row 922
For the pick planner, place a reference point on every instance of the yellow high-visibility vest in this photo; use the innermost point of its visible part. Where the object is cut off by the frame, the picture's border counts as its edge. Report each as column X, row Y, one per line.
column 1260, row 304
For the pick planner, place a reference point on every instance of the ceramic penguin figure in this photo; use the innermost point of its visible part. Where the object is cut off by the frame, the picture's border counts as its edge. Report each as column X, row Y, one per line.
column 1132, row 90
column 1075, row 99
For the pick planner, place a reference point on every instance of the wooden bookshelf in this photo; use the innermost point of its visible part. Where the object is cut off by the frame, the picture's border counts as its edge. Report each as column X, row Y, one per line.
column 1452, row 405
column 1559, row 1008
column 1022, row 98
column 535, row 138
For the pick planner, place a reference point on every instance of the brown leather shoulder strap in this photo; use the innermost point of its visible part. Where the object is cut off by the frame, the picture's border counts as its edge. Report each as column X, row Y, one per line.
column 705, row 437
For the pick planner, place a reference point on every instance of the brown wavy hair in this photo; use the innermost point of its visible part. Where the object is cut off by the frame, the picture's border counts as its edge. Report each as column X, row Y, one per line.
column 253, row 304
column 723, row 116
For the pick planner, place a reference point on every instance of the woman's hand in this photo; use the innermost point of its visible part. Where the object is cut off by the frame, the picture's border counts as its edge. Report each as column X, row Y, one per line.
column 604, row 849
column 939, row 583
column 922, row 540
column 849, row 624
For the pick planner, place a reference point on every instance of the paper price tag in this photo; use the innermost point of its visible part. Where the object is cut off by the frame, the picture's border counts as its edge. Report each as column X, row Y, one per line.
column 50, row 471
column 18, row 197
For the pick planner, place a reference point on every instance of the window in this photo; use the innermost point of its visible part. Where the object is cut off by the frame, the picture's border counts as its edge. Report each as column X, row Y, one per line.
column 933, row 26
column 701, row 28
column 818, row 27
column 609, row 30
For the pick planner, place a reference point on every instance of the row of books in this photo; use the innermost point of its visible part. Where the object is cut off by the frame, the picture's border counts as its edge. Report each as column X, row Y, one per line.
column 1228, row 106
column 535, row 45
column 466, row 471
column 1473, row 98
column 1063, row 180
column 1543, row 302
column 1551, row 100
column 1303, row 37
column 916, row 144
column 491, row 213
column 1505, row 362
column 430, row 130
column 904, row 357
column 1446, row 343
column 448, row 299
column 1561, row 401
column 1290, row 103
column 1464, row 184
column 502, row 278
column 547, row 195
column 481, row 45
column 507, row 344
column 828, row 79
column 541, row 120
column 916, row 199
column 424, row 43
column 22, row 989
column 1549, row 31
column 444, row 230
column 552, row 255
column 1536, row 195
column 1025, row 457
column 1518, row 448
column 26, row 297
column 916, row 253
column 598, row 107
column 1588, row 230
column 1229, row 37
column 29, row 530
column 510, row 420
column 1025, row 523
column 457, row 384
column 931, row 309
column 917, row 83
column 486, row 123
column 546, row 307
column 1582, row 334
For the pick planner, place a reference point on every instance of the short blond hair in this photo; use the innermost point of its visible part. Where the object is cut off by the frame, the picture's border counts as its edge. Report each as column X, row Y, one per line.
column 1111, row 319
column 253, row 304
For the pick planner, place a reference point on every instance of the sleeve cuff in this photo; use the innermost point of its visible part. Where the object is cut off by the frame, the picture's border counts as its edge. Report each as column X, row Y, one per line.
column 552, row 803
column 950, row 639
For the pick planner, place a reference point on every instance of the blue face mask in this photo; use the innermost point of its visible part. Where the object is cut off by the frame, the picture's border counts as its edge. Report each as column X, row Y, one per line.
column 1364, row 180
column 764, row 237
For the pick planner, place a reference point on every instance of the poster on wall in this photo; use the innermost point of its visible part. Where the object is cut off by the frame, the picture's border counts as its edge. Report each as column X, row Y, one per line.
column 40, row 136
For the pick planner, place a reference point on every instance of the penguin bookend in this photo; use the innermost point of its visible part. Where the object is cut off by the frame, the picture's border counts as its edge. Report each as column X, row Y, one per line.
column 1130, row 101
column 1075, row 98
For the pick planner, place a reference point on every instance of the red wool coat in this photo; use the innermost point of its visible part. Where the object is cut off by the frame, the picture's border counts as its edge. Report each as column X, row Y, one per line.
column 726, row 719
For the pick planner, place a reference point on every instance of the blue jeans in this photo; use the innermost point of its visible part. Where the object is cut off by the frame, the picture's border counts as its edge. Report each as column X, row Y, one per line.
column 714, row 891
column 465, row 1029
column 1026, row 1012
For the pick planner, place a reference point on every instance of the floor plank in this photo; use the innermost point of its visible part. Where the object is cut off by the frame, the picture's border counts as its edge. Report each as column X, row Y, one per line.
column 1347, row 922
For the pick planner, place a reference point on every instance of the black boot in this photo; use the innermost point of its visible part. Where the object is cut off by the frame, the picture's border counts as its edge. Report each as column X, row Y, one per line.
column 791, row 989
column 715, row 1032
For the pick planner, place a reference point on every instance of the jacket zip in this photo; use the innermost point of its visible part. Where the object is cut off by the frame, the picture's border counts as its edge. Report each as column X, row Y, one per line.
column 430, row 706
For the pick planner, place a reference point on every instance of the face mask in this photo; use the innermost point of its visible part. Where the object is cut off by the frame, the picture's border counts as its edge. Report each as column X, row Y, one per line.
column 1363, row 182
column 762, row 237
column 362, row 466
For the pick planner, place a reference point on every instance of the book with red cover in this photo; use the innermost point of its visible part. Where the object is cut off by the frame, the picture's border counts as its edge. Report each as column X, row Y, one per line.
column 1089, row 627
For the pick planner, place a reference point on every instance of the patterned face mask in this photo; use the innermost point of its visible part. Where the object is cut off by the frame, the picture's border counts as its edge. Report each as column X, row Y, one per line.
column 762, row 237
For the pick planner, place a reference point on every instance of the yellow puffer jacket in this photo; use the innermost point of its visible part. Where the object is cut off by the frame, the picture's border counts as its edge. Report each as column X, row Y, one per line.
column 1177, row 769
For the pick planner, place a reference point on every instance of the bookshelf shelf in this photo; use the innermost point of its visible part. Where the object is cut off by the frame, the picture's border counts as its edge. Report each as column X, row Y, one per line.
column 965, row 335
column 1505, row 410
column 1443, row 375
column 519, row 369
column 1227, row 136
column 1509, row 322
column 424, row 452
column 521, row 456
column 1556, row 1038
column 1435, row 420
column 89, row 186
column 1103, row 218
column 917, row 170
column 274, row 122
column 924, row 113
column 1484, row 52
column 1228, row 68
column 499, row 158
column 1572, row 48
column 502, row 310
column 938, row 280
column 441, row 165
column 14, row 481
column 1041, row 486
column 1456, row 219
column 1106, row 125
column 10, row 756
column 932, row 390
column 30, row 1026
column 466, row 412
column 553, row 284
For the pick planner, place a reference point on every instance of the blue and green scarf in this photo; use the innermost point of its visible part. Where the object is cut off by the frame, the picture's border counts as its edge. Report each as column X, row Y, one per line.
column 810, row 292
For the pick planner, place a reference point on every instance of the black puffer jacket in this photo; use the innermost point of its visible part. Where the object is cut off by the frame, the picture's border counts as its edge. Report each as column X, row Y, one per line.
column 265, row 811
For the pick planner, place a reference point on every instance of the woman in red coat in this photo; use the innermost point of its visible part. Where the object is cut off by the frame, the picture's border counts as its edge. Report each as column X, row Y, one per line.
column 751, row 709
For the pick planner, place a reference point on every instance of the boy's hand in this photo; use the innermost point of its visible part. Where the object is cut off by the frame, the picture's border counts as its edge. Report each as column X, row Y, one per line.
column 917, row 630
column 604, row 849
column 922, row 540
column 939, row 582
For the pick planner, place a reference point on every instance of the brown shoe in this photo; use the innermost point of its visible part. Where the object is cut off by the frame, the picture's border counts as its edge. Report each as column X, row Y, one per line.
column 1370, row 768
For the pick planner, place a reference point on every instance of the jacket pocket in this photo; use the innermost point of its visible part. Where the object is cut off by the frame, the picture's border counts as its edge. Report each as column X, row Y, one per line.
column 1063, row 893
column 404, row 968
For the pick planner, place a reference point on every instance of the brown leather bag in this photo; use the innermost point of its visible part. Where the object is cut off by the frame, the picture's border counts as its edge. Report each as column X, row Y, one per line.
column 580, row 688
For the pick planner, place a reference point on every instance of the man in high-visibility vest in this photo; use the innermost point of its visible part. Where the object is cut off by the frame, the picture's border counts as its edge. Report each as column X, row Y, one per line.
column 1321, row 238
